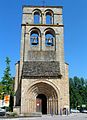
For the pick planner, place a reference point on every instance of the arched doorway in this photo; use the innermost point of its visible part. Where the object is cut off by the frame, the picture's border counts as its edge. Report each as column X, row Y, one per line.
column 41, row 103
column 45, row 97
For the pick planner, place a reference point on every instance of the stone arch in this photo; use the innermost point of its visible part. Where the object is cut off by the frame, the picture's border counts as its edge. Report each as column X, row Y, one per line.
column 34, row 36
column 47, row 82
column 39, row 13
column 51, row 30
column 37, row 10
column 50, row 14
column 48, row 89
column 50, row 37
column 35, row 29
column 49, row 10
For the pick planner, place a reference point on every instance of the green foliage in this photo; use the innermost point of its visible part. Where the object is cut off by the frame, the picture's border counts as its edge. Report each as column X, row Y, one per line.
column 78, row 92
column 7, row 80
column 6, row 85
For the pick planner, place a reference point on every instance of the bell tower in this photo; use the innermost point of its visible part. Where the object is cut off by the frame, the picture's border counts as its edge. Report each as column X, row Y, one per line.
column 42, row 38
column 42, row 72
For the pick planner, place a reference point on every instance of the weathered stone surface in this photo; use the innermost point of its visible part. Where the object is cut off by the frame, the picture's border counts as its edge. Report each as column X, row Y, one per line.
column 42, row 55
column 41, row 69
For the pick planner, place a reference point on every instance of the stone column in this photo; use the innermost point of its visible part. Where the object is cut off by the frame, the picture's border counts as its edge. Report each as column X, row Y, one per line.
column 16, row 83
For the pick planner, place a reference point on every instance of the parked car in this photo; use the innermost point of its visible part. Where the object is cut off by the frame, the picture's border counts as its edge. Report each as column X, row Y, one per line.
column 84, row 111
column 2, row 112
column 74, row 111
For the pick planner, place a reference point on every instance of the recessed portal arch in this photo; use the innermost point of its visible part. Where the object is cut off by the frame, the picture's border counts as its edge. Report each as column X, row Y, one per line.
column 46, row 98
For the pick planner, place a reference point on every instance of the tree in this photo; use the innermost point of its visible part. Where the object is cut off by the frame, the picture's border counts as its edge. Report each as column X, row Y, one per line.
column 78, row 92
column 7, row 83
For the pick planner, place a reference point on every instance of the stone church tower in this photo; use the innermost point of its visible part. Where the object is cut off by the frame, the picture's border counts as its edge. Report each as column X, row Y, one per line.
column 41, row 81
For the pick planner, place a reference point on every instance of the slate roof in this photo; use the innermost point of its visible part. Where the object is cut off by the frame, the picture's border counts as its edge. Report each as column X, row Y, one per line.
column 41, row 69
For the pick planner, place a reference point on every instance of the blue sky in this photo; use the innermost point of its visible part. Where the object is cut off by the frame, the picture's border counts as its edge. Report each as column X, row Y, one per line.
column 75, row 33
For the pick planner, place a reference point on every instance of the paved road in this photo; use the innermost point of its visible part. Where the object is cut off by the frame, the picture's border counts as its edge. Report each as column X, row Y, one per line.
column 74, row 116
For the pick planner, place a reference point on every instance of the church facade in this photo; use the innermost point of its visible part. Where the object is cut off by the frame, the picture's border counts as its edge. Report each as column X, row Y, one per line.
column 41, row 80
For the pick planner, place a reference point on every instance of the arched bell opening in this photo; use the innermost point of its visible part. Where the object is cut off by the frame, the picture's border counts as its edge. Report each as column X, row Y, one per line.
column 35, row 35
column 49, row 37
column 34, row 38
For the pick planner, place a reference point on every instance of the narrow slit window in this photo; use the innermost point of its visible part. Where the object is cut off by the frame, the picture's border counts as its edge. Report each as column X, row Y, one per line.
column 48, row 18
column 36, row 18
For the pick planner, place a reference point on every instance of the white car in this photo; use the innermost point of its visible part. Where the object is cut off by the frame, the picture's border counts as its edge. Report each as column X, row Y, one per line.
column 84, row 111
column 74, row 111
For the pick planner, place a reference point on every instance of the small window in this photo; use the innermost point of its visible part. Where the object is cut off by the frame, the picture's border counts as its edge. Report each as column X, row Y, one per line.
column 48, row 18
column 34, row 38
column 36, row 18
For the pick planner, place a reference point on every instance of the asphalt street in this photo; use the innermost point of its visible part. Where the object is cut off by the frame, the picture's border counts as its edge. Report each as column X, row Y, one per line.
column 73, row 116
